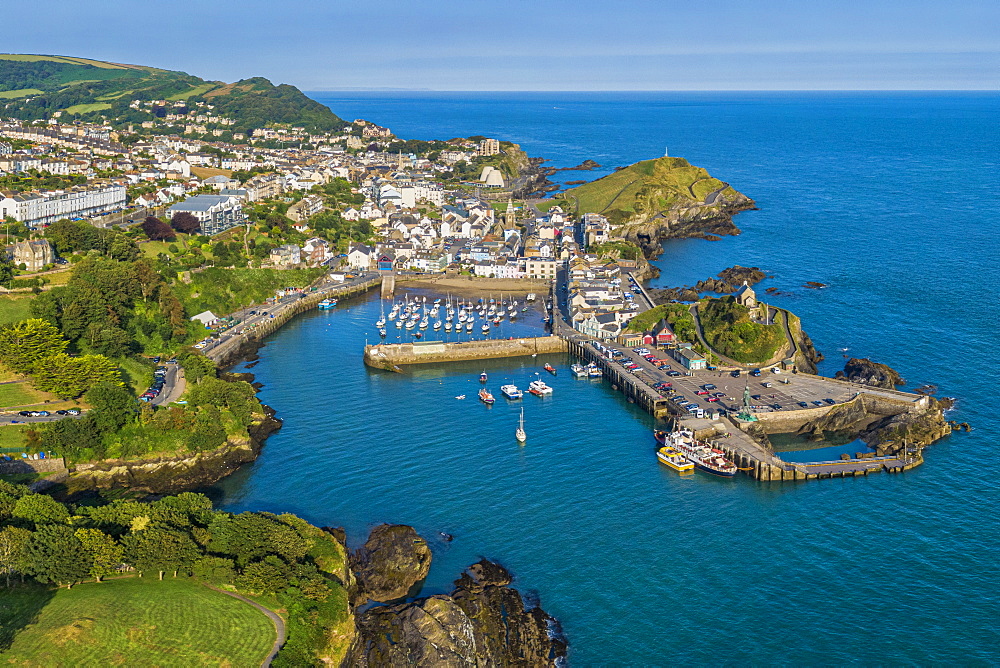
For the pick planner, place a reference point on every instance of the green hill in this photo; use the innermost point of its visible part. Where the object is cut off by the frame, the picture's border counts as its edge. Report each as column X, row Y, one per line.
column 34, row 87
column 640, row 191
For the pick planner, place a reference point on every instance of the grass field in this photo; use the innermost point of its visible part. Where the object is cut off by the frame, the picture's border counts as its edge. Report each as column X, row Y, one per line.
column 87, row 108
column 132, row 622
column 23, row 92
column 21, row 394
column 136, row 375
column 14, row 309
column 207, row 172
column 196, row 90
column 12, row 438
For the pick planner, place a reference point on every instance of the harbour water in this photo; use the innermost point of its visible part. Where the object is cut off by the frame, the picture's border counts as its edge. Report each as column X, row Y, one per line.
column 884, row 198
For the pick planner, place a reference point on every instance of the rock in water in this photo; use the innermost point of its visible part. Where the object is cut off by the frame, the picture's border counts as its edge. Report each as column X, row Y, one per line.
column 482, row 623
column 866, row 372
column 392, row 560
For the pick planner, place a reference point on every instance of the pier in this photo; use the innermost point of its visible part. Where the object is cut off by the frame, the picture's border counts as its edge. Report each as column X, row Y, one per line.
column 635, row 387
column 388, row 356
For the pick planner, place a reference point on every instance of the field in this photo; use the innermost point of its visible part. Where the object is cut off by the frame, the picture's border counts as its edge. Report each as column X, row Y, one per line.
column 132, row 622
column 14, row 309
column 86, row 108
column 21, row 394
column 23, row 92
column 196, row 90
column 208, row 172
column 12, row 438
column 225, row 290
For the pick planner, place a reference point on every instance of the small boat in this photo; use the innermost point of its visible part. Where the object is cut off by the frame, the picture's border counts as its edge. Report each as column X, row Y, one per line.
column 486, row 328
column 382, row 332
column 579, row 370
column 447, row 326
column 551, row 369
column 530, row 297
column 675, row 459
column 520, row 434
column 486, row 397
column 327, row 304
column 704, row 456
column 539, row 388
column 483, row 377
column 461, row 396
column 511, row 391
column 468, row 326
column 418, row 335
column 594, row 371
column 437, row 325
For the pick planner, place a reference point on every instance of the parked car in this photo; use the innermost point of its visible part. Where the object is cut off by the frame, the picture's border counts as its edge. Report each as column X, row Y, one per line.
column 74, row 411
column 803, row 404
column 830, row 401
column 708, row 386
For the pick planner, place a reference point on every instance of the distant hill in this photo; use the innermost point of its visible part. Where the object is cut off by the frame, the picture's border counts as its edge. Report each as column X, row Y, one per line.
column 33, row 87
column 642, row 190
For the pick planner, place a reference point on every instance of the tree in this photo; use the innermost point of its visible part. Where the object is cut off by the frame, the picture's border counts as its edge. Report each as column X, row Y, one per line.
column 13, row 551
column 114, row 406
column 69, row 377
column 40, row 509
column 214, row 569
column 103, row 551
column 185, row 222
column 54, row 554
column 264, row 577
column 157, row 230
column 156, row 549
column 24, row 344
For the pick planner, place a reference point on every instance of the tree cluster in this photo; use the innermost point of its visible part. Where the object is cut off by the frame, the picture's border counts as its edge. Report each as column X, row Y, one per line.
column 69, row 236
column 281, row 556
column 35, row 347
column 156, row 230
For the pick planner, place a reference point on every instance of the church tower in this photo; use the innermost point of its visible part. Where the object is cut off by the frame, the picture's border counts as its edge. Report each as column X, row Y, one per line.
column 510, row 216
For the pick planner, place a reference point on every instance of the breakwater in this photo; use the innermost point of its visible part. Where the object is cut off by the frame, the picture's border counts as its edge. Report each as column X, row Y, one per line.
column 388, row 356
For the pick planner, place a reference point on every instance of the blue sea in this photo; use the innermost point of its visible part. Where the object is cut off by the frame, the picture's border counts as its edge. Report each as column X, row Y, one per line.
column 890, row 200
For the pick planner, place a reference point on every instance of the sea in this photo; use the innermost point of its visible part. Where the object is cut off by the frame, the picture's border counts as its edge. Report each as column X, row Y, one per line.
column 889, row 199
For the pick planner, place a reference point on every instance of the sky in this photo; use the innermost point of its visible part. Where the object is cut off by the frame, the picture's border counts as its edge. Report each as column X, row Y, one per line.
column 533, row 45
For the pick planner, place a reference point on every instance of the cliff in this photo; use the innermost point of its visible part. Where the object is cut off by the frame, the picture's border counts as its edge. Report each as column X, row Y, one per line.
column 665, row 198
column 171, row 474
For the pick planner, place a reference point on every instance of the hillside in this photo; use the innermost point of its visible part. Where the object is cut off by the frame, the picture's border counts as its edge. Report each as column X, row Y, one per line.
column 35, row 87
column 659, row 199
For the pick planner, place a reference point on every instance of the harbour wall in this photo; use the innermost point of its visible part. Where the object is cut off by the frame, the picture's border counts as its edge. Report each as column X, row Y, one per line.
column 387, row 356
column 873, row 403
column 633, row 386
column 236, row 347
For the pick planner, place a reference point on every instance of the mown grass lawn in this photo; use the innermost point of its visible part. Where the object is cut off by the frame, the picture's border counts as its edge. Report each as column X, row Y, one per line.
column 12, row 438
column 132, row 622
column 21, row 394
column 14, row 309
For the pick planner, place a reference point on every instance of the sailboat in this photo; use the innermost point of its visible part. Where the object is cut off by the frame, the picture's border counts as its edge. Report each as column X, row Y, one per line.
column 520, row 434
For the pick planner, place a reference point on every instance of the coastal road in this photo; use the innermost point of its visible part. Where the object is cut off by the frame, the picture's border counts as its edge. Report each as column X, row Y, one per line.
column 173, row 386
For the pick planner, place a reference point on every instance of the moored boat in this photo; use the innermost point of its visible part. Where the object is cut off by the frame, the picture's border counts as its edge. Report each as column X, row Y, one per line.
column 520, row 434
column 483, row 377
column 327, row 304
column 701, row 454
column 539, row 388
column 486, row 397
column 511, row 391
column 578, row 370
column 551, row 369
column 594, row 371
column 675, row 459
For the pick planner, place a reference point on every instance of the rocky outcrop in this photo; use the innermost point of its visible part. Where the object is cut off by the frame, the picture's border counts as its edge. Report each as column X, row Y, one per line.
column 390, row 563
column 915, row 429
column 806, row 355
column 683, row 222
column 483, row 622
column 866, row 372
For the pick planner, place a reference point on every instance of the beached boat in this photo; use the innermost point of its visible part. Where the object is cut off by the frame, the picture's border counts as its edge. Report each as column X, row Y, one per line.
column 511, row 391
column 486, row 397
column 520, row 434
column 675, row 459
column 539, row 388
column 701, row 454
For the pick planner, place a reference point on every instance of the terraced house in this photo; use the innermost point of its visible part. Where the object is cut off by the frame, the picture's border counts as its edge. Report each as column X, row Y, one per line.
column 41, row 208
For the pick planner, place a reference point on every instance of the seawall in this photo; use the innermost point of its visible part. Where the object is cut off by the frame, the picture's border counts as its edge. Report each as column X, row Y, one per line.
column 387, row 356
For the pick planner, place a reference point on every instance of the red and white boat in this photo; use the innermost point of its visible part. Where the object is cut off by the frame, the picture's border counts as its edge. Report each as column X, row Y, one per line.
column 701, row 454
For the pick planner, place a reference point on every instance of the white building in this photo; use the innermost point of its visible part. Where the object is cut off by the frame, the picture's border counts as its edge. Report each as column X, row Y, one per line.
column 40, row 208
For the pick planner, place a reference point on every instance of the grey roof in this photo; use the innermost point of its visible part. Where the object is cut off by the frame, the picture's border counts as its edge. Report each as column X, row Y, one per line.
column 200, row 203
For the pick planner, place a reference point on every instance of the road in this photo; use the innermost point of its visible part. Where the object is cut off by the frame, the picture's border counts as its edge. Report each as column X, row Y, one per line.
column 279, row 624
column 173, row 386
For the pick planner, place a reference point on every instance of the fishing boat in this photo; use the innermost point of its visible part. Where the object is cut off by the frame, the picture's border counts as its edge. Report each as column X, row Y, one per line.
column 520, row 434
column 511, row 391
column 539, row 388
column 701, row 454
column 486, row 397
column 483, row 377
column 594, row 371
column 579, row 370
column 327, row 304
column 551, row 369
column 675, row 459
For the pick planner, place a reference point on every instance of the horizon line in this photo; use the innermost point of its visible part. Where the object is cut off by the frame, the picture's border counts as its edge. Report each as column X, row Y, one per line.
column 387, row 89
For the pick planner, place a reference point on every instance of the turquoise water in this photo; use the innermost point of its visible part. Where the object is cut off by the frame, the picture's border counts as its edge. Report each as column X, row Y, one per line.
column 889, row 200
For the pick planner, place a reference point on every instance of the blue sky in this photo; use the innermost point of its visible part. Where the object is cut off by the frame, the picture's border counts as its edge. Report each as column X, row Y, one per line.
column 533, row 45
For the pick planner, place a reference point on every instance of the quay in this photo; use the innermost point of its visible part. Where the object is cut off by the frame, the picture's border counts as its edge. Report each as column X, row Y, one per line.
column 388, row 356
